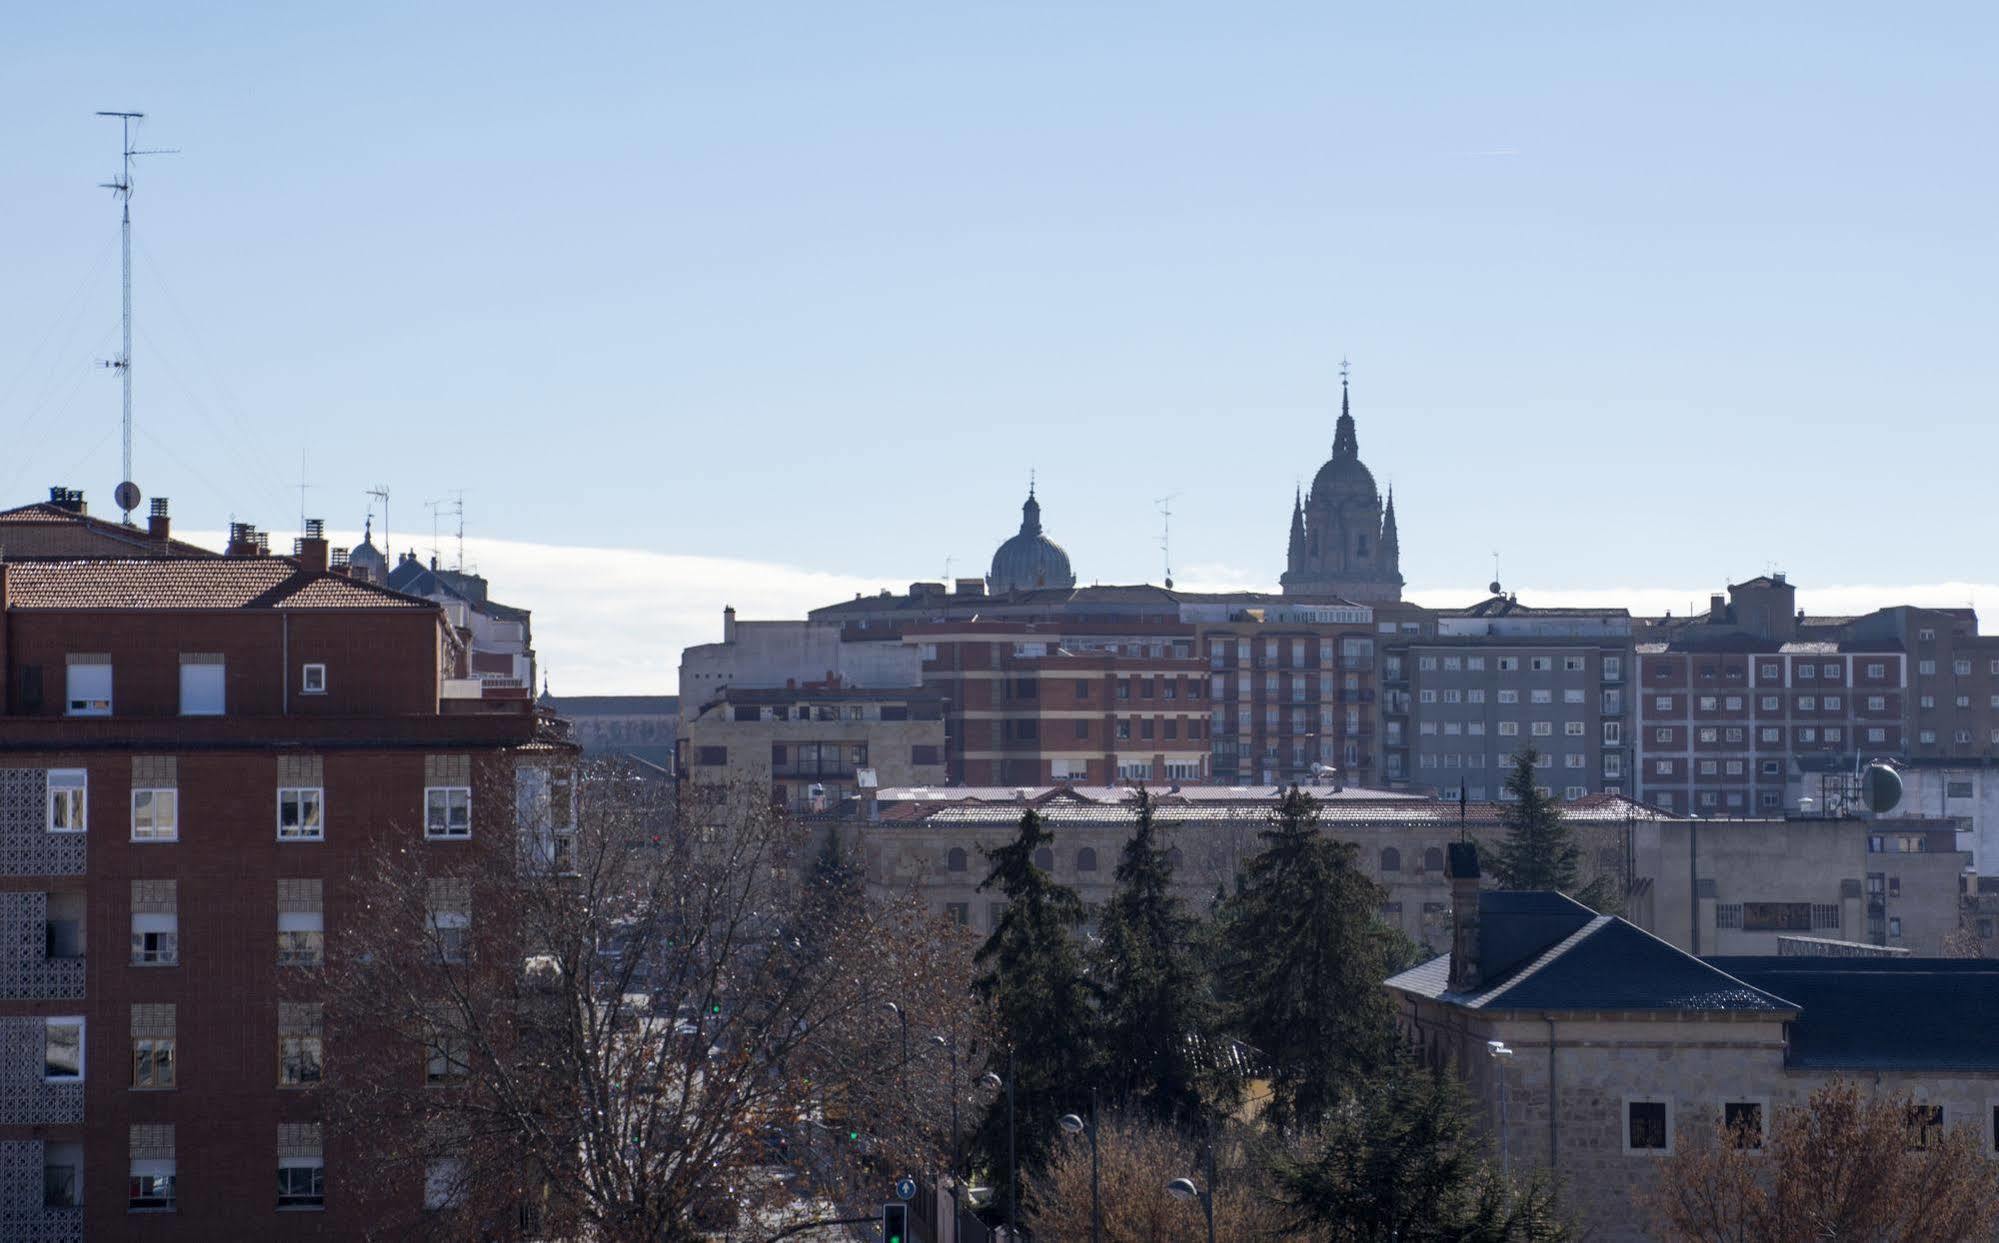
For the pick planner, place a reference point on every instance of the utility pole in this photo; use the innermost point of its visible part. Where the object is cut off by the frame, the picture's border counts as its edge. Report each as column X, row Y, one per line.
column 128, row 491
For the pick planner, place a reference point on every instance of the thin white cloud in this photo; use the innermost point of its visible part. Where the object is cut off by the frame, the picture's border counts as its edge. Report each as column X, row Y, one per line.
column 613, row 621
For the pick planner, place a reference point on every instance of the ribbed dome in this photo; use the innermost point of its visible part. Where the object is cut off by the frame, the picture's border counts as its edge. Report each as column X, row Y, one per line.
column 1029, row 559
column 1344, row 476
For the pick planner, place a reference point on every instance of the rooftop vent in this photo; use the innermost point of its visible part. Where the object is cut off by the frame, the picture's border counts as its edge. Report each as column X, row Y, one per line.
column 70, row 499
column 159, row 509
column 315, row 528
column 339, row 559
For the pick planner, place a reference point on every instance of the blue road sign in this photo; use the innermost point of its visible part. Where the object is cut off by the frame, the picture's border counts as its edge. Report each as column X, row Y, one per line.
column 905, row 1189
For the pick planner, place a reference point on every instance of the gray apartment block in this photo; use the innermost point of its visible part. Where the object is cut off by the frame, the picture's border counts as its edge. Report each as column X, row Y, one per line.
column 1498, row 678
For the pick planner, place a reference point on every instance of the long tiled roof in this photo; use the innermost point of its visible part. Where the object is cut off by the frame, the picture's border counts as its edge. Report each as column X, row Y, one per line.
column 48, row 529
column 216, row 583
column 1856, row 1011
column 1567, row 959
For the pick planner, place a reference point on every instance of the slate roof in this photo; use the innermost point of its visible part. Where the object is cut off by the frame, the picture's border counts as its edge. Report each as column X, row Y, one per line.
column 417, row 579
column 1857, row 1012
column 1550, row 953
column 214, row 583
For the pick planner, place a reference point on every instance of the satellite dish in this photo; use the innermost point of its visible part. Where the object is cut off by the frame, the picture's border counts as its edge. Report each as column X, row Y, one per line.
column 1880, row 787
column 126, row 495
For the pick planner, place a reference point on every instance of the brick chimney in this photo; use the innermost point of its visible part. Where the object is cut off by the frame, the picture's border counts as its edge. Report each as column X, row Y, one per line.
column 1461, row 866
column 242, row 540
column 158, row 525
column 70, row 499
column 310, row 548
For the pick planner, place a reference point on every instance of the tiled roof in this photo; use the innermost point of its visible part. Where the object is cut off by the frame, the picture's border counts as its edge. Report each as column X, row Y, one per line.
column 45, row 529
column 1594, row 963
column 1856, row 1011
column 214, row 583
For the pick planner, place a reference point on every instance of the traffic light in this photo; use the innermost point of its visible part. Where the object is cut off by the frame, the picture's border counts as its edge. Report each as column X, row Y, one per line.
column 895, row 1223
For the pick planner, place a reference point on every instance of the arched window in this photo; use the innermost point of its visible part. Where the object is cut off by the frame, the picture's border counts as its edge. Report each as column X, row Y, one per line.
column 1086, row 860
column 1433, row 859
column 1044, row 859
column 1174, row 857
column 954, row 860
column 1391, row 859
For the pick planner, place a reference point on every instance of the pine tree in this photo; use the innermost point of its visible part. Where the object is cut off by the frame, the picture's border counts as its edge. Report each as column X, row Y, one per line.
column 1031, row 972
column 1304, row 959
column 1540, row 850
column 1156, row 1011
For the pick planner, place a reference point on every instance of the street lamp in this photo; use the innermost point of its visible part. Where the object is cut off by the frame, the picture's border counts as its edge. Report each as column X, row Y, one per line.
column 1188, row 1189
column 1012, row 1166
column 1498, row 1052
column 951, row 1045
column 902, row 1017
column 1076, row 1126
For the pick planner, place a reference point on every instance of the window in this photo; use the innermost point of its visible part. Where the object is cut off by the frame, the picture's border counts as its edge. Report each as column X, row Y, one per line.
column 1925, row 1127
column 1613, row 733
column 1807, row 703
column 1663, row 768
column 447, row 811
column 1086, row 860
column 312, row 680
column 1541, row 696
column 1832, row 703
column 1544, row 729
column 62, row 1175
column 954, row 859
column 68, row 801
column 1613, row 668
column 300, row 812
column 444, row 1183
column 1709, row 734
column 1572, row 729
column 1662, row 735
column 1540, row 664
column 1509, row 697
column 1573, row 695
column 89, row 686
column 1476, row 664
column 155, row 815
column 151, row 1186
column 201, row 685
column 1044, row 858
column 1426, row 696
column 1506, row 664
column 1509, row 729
column 1877, row 735
column 959, row 913
column 62, row 1050
column 1391, row 858
column 1962, row 668
column 1926, row 668
column 301, row 1182
column 447, row 1059
column 155, row 939
column 1662, row 703
column 1927, row 701
column 153, row 1063
column 301, row 938
column 1894, row 925
column 1647, row 1127
column 1770, row 734
column 1744, row 1122
column 1573, row 664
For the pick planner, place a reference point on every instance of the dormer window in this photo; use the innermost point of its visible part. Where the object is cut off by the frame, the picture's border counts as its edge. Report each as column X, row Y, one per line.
column 312, row 680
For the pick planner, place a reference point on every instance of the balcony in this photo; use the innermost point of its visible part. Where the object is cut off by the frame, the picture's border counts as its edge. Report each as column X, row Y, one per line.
column 25, row 1185
column 43, row 957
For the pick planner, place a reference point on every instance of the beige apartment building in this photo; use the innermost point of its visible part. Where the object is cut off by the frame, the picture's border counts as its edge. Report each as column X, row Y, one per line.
column 812, row 747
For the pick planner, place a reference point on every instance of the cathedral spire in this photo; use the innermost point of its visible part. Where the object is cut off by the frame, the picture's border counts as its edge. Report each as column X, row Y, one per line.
column 1345, row 443
column 1296, row 556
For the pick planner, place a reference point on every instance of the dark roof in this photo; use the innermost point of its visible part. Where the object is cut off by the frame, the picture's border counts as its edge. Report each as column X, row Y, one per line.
column 1551, row 953
column 1884, row 1013
column 212, row 583
column 1095, row 595
column 821, row 694
column 417, row 579
column 1509, row 606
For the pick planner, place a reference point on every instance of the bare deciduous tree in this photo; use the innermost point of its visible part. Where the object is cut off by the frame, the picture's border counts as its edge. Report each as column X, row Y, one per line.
column 1842, row 1166
column 1136, row 1159
column 648, row 1018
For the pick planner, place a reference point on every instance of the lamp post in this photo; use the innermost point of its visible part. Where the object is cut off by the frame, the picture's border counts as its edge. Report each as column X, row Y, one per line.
column 1074, row 1125
column 1499, row 1053
column 951, row 1045
column 1186, row 1189
column 902, row 1017
column 1012, row 1166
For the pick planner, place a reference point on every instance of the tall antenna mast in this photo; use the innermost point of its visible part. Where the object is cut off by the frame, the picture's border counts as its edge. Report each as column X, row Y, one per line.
column 380, row 492
column 456, row 507
column 128, row 492
column 1165, row 504
column 302, row 488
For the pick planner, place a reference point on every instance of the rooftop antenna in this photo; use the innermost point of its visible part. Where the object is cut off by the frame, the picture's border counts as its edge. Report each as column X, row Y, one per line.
column 947, row 571
column 380, row 492
column 1494, row 588
column 455, row 507
column 1165, row 504
column 127, row 493
column 302, row 487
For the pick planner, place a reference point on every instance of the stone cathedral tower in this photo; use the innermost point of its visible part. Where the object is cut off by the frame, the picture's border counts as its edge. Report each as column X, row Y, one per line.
column 1343, row 540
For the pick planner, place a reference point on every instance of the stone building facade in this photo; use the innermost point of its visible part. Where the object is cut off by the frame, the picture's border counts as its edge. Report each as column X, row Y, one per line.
column 810, row 747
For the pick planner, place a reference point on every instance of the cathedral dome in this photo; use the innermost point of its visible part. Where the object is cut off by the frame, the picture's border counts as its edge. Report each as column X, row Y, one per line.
column 1029, row 559
column 1345, row 476
column 366, row 561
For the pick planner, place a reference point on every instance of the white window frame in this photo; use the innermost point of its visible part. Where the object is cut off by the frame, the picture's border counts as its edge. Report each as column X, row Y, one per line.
column 69, row 790
column 318, row 833
column 455, row 950
column 92, row 703
column 440, row 798
column 163, row 924
column 312, row 679
column 221, row 707
column 301, row 923
column 156, row 797
column 150, row 1168
column 1624, row 1126
column 82, row 1047
column 303, row 1163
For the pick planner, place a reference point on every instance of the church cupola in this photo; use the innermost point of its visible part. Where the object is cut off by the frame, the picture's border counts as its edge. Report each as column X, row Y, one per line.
column 1344, row 541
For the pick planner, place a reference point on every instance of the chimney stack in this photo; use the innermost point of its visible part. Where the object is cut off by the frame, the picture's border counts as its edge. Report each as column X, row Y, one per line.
column 1717, row 609
column 158, row 525
column 70, row 499
column 310, row 548
column 728, row 623
column 242, row 540
column 1461, row 866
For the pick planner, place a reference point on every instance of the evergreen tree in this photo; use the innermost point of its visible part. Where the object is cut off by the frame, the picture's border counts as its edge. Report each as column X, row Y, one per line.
column 1156, row 1012
column 1031, row 972
column 1540, row 850
column 1303, row 954
column 1399, row 1158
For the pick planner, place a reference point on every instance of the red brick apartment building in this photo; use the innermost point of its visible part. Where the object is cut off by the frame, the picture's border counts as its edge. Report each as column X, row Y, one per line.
column 196, row 755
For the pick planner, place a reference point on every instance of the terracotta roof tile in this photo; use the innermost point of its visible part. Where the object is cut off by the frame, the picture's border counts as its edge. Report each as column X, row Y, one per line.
column 218, row 583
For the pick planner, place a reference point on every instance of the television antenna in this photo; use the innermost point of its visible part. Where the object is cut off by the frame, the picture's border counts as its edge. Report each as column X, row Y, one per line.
column 1165, row 505
column 380, row 492
column 127, row 493
column 455, row 506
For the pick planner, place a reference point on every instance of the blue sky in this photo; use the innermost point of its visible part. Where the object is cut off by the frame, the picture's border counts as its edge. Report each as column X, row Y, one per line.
column 1641, row 299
